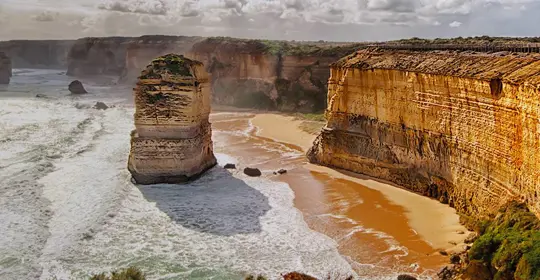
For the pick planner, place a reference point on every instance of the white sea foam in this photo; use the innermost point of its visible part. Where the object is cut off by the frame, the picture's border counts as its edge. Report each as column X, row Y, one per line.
column 69, row 208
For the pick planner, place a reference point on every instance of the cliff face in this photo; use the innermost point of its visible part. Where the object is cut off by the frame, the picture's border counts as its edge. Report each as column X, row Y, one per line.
column 249, row 73
column 5, row 69
column 98, row 56
column 460, row 127
column 172, row 140
column 37, row 53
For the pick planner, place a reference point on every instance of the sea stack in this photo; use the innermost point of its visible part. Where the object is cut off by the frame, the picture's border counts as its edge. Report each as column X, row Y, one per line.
column 172, row 140
column 5, row 69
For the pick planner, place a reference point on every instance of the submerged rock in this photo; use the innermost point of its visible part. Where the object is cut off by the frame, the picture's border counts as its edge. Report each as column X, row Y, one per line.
column 172, row 141
column 5, row 69
column 76, row 87
column 282, row 171
column 252, row 172
column 101, row 106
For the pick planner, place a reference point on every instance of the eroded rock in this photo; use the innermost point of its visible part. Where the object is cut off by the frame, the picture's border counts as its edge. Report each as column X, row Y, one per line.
column 230, row 166
column 252, row 172
column 5, row 69
column 76, row 87
column 101, row 106
column 172, row 141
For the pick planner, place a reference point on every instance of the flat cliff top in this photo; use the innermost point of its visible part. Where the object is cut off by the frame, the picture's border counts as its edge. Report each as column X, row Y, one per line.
column 509, row 67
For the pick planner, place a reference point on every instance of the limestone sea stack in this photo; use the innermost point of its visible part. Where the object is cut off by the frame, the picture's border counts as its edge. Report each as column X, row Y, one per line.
column 172, row 140
column 5, row 69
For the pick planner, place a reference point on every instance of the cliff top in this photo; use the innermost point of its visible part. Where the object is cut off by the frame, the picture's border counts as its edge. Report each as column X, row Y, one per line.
column 509, row 67
column 173, row 64
column 253, row 46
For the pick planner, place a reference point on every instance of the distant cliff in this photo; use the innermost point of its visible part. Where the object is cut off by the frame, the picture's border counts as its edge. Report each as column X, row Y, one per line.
column 461, row 127
column 262, row 74
column 37, row 53
column 5, row 69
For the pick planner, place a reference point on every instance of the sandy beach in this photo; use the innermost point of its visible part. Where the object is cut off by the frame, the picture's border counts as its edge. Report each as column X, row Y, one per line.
column 436, row 223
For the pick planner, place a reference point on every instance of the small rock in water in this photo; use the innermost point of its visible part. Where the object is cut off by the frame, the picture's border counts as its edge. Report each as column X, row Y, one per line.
column 253, row 172
column 76, row 87
column 406, row 277
column 460, row 232
column 41, row 95
column 452, row 242
column 101, row 106
column 444, row 253
column 282, row 171
column 230, row 166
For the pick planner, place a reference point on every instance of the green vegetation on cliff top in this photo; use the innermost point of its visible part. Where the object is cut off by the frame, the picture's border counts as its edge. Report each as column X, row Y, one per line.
column 509, row 246
column 276, row 47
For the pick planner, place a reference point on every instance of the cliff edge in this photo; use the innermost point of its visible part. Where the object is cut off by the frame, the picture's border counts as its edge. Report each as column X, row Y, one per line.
column 5, row 69
column 462, row 127
column 172, row 140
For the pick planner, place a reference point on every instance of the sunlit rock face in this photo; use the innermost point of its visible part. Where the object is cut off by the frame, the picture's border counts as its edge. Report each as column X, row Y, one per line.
column 460, row 127
column 172, row 140
column 5, row 68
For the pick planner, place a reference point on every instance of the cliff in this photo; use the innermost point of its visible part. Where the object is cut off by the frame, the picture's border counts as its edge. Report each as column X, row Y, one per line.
column 5, row 68
column 462, row 127
column 262, row 74
column 172, row 140
column 37, row 53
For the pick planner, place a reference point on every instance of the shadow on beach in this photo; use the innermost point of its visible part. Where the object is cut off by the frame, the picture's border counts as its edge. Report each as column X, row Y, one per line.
column 217, row 203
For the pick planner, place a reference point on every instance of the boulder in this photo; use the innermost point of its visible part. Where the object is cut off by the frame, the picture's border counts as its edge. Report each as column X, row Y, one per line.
column 101, row 106
column 252, row 172
column 76, row 87
column 406, row 277
column 230, row 166
column 455, row 259
column 5, row 69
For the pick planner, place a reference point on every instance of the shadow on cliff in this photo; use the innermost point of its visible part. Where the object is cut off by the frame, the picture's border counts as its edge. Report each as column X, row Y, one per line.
column 217, row 203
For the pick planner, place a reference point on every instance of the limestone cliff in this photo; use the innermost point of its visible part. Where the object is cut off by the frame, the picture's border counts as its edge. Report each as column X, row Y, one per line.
column 278, row 75
column 462, row 127
column 37, row 53
column 5, row 68
column 172, row 140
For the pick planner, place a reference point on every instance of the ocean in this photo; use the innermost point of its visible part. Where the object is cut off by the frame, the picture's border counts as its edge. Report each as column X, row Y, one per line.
column 68, row 208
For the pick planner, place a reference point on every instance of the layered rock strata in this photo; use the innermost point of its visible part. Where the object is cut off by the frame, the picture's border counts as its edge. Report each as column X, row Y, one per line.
column 172, row 141
column 462, row 127
column 5, row 69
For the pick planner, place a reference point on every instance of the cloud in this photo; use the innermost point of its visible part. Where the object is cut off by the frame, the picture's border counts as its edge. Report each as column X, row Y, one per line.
column 455, row 24
column 153, row 7
column 350, row 20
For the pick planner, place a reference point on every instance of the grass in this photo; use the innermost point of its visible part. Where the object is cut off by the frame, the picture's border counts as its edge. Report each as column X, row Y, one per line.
column 510, row 244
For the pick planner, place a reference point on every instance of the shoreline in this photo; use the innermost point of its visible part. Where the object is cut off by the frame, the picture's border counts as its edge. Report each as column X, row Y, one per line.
column 434, row 222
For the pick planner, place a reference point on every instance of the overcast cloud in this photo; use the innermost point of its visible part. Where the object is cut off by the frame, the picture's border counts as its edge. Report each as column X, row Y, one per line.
column 337, row 20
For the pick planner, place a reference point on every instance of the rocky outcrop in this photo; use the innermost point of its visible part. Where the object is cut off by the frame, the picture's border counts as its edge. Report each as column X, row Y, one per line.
column 172, row 140
column 461, row 127
column 277, row 75
column 37, row 53
column 5, row 69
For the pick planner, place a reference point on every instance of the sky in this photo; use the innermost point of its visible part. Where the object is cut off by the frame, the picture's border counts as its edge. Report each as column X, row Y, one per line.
column 331, row 20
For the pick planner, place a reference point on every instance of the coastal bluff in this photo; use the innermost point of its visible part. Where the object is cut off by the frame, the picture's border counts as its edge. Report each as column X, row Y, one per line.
column 5, row 69
column 459, row 126
column 172, row 141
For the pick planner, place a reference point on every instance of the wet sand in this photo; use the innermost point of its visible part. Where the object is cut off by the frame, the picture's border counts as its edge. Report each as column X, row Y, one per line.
column 380, row 228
